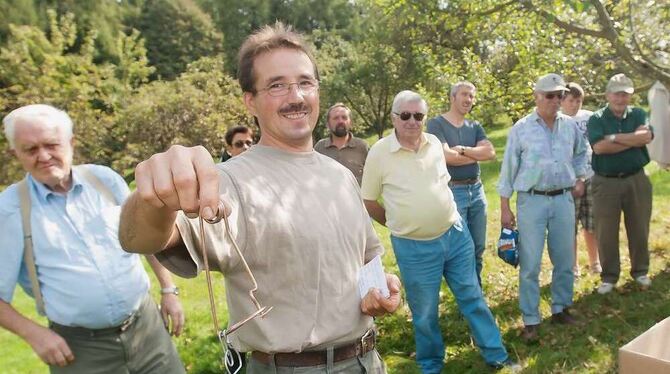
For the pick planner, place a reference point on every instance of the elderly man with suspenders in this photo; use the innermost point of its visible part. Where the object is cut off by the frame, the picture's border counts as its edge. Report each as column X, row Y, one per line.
column 59, row 230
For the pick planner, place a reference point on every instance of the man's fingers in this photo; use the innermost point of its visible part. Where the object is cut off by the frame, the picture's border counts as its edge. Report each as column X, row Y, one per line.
column 145, row 185
column 67, row 352
column 208, row 182
column 165, row 316
column 58, row 358
column 185, row 183
column 178, row 324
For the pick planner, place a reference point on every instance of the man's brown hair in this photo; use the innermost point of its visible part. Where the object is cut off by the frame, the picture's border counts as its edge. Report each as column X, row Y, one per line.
column 336, row 105
column 574, row 89
column 266, row 39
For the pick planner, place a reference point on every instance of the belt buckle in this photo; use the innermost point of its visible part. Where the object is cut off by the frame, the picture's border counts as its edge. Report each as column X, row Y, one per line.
column 129, row 321
column 364, row 341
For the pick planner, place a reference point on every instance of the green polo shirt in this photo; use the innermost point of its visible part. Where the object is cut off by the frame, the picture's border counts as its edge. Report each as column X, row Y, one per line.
column 602, row 123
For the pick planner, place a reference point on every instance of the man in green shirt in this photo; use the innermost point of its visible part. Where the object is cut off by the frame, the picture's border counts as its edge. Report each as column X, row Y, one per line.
column 619, row 134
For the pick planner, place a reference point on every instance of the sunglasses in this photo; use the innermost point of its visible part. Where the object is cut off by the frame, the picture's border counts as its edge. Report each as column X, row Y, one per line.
column 242, row 143
column 418, row 116
column 552, row 95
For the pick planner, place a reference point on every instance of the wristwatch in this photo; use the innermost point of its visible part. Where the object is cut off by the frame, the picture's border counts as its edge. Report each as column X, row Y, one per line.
column 611, row 138
column 173, row 290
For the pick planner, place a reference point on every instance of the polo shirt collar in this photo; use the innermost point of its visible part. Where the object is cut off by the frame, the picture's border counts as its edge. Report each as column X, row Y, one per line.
column 608, row 112
column 43, row 192
column 396, row 146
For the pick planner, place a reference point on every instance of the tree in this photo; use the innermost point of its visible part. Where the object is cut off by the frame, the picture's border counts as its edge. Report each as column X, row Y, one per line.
column 637, row 32
column 194, row 109
column 177, row 32
column 54, row 69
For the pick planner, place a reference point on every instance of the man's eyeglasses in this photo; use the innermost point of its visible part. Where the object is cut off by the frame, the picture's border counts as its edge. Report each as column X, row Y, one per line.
column 418, row 116
column 551, row 95
column 242, row 143
column 306, row 86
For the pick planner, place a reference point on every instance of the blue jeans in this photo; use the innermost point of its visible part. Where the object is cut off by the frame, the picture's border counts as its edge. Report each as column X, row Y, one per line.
column 422, row 264
column 471, row 203
column 538, row 217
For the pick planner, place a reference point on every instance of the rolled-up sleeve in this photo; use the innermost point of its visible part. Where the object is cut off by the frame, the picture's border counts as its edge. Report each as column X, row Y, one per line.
column 510, row 164
column 579, row 158
column 12, row 256
column 371, row 186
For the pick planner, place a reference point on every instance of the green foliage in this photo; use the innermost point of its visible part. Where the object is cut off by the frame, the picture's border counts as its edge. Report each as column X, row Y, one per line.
column 177, row 33
column 194, row 109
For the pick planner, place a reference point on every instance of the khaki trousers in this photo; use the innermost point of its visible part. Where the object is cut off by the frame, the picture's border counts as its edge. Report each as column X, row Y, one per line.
column 145, row 347
column 631, row 195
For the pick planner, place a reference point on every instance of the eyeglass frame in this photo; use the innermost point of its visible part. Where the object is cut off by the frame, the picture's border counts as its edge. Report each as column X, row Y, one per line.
column 241, row 143
column 409, row 115
column 551, row 95
column 303, row 91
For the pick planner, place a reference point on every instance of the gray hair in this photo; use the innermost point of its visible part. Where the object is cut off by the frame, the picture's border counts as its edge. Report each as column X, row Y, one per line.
column 50, row 116
column 407, row 96
column 457, row 86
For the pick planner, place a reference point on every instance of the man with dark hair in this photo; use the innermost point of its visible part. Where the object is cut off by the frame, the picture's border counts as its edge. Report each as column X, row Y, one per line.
column 238, row 139
column 571, row 105
column 342, row 146
column 619, row 135
column 297, row 216
column 467, row 146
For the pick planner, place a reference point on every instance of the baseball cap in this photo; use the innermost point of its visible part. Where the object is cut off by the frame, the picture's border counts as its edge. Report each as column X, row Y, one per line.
column 620, row 83
column 550, row 82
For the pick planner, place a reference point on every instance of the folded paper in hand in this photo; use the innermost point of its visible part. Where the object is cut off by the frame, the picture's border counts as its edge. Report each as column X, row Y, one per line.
column 372, row 275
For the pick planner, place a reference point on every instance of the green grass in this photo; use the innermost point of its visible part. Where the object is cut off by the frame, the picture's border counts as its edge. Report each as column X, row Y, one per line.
column 606, row 322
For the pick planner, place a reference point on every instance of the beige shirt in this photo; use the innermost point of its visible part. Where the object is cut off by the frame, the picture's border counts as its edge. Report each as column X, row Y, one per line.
column 414, row 185
column 301, row 224
column 352, row 155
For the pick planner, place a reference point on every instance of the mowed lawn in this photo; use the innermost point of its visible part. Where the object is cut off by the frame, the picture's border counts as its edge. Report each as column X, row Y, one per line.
column 606, row 322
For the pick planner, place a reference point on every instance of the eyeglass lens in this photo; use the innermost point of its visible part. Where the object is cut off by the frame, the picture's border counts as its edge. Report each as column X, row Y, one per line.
column 418, row 116
column 242, row 143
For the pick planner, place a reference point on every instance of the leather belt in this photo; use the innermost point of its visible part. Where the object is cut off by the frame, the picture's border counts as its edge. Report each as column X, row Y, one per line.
column 314, row 358
column 549, row 193
column 461, row 182
column 618, row 175
column 70, row 330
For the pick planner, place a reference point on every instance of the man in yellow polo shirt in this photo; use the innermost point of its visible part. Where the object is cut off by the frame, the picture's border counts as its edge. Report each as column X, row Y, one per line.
column 408, row 170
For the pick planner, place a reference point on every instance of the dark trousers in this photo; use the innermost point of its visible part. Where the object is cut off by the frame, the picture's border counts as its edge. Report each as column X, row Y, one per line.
column 631, row 195
column 144, row 347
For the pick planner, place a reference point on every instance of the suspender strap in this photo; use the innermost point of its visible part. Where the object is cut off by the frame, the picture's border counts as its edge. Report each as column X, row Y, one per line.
column 28, row 257
column 28, row 254
column 97, row 184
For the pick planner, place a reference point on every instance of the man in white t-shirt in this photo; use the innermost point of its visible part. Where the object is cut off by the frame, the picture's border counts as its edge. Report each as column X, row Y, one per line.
column 571, row 105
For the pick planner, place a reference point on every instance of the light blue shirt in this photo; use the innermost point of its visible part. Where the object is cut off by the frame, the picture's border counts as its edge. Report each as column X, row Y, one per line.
column 540, row 158
column 86, row 279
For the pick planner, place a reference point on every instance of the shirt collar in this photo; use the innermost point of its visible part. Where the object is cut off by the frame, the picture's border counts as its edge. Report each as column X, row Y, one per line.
column 43, row 192
column 608, row 112
column 396, row 146
column 536, row 118
column 329, row 140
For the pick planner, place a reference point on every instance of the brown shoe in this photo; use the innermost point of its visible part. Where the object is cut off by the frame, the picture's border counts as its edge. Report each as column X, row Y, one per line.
column 563, row 318
column 530, row 333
